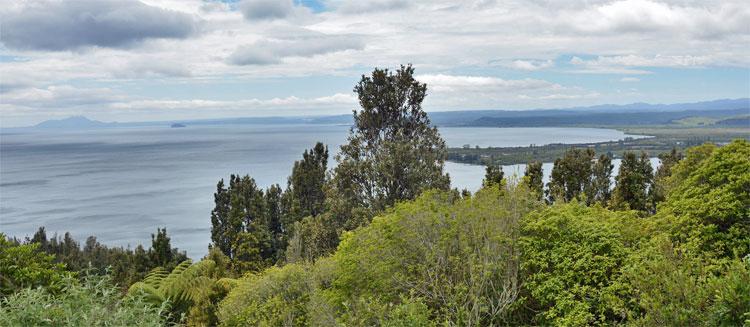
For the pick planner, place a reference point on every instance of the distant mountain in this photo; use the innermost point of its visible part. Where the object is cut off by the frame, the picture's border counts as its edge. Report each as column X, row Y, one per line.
column 74, row 122
column 721, row 104
column 599, row 118
column 607, row 114
column 627, row 114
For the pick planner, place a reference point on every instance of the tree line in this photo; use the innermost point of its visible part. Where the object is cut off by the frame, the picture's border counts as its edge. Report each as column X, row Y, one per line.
column 580, row 175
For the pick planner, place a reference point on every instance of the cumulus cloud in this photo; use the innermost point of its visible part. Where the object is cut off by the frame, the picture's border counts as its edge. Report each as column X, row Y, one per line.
column 337, row 100
column 462, row 91
column 521, row 64
column 267, row 52
column 59, row 96
column 66, row 100
column 64, row 25
column 635, row 64
column 642, row 61
column 646, row 16
column 196, row 43
column 461, row 83
column 361, row 7
column 260, row 10
column 266, row 9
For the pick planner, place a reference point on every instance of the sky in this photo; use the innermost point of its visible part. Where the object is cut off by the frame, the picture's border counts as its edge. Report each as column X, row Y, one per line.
column 129, row 60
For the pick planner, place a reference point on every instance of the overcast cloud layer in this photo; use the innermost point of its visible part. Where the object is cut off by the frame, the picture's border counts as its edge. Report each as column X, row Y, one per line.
column 131, row 60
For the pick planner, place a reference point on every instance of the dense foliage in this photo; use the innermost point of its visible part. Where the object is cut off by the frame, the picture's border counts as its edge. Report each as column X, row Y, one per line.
column 24, row 266
column 93, row 301
column 393, row 153
column 381, row 241
column 502, row 257
column 126, row 266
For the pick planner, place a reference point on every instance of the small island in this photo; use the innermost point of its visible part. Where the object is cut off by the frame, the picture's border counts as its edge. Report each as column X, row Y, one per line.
column 177, row 125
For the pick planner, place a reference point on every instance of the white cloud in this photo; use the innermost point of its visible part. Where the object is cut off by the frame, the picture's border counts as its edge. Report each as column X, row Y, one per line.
column 259, row 10
column 64, row 25
column 212, row 42
column 647, row 17
column 637, row 64
column 337, row 101
column 461, row 92
column 59, row 96
column 267, row 52
column 524, row 64
column 630, row 79
column 453, row 83
column 362, row 7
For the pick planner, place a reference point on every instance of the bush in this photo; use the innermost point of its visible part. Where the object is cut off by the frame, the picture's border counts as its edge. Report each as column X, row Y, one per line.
column 673, row 288
column 279, row 296
column 571, row 259
column 94, row 301
column 708, row 206
column 24, row 265
column 457, row 256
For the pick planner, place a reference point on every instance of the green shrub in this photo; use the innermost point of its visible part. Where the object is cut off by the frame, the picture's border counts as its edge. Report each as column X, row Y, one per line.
column 673, row 288
column 24, row 265
column 279, row 296
column 571, row 259
column 372, row 312
column 458, row 256
column 94, row 301
column 708, row 205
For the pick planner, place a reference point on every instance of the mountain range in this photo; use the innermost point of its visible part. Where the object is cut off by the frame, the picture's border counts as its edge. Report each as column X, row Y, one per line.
column 736, row 112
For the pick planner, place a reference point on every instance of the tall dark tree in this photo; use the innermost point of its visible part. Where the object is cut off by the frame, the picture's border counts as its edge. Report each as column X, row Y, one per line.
column 41, row 237
column 245, row 223
column 306, row 184
column 632, row 183
column 571, row 175
column 600, row 188
column 533, row 177
column 659, row 189
column 161, row 249
column 493, row 176
column 252, row 247
column 221, row 236
column 393, row 153
column 274, row 214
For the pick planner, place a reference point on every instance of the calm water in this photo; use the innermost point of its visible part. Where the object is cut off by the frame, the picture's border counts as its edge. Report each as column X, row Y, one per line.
column 120, row 184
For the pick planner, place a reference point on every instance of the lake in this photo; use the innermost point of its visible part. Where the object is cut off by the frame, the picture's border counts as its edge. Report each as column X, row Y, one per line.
column 120, row 184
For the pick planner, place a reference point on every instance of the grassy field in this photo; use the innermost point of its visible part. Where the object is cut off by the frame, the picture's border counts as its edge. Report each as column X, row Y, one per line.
column 662, row 139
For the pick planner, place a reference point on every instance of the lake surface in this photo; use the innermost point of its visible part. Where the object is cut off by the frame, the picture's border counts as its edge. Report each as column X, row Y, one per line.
column 120, row 184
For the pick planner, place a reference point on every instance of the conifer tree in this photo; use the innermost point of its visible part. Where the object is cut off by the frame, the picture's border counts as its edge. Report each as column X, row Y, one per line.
column 41, row 237
column 493, row 176
column 274, row 214
column 632, row 183
column 658, row 191
column 305, row 186
column 601, row 181
column 161, row 249
column 571, row 175
column 534, row 178
column 220, row 234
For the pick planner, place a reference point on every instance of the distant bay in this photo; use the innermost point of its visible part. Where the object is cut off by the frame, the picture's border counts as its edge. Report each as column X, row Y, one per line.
column 120, row 184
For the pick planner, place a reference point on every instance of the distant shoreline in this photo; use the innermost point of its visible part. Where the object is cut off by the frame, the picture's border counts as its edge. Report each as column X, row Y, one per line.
column 659, row 140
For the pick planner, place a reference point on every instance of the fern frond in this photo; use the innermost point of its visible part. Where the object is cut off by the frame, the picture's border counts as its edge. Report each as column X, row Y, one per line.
column 151, row 294
column 168, row 282
column 155, row 276
column 227, row 284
